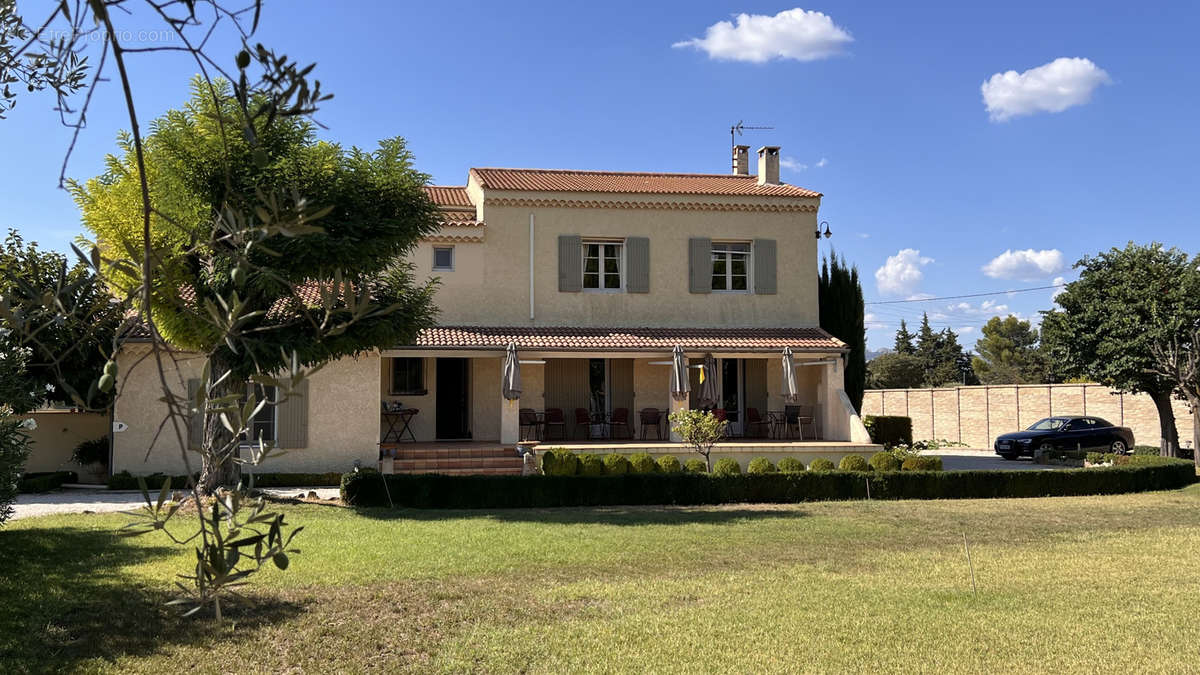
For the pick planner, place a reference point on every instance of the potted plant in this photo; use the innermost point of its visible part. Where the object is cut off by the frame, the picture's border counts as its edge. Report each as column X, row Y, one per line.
column 93, row 455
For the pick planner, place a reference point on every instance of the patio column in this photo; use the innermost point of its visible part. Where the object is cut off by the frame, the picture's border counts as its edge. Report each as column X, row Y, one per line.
column 833, row 426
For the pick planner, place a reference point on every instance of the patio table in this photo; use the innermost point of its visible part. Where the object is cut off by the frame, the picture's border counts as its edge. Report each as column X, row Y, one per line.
column 399, row 423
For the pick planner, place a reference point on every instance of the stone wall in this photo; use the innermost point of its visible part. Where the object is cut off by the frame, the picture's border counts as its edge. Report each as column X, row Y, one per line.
column 976, row 415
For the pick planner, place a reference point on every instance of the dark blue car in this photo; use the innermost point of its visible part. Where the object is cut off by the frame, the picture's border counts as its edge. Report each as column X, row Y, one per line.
column 1065, row 433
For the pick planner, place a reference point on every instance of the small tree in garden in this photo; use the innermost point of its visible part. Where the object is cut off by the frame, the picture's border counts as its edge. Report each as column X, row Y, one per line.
column 700, row 430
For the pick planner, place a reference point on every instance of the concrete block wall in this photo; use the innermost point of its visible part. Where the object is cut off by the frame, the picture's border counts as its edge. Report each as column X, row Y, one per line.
column 976, row 415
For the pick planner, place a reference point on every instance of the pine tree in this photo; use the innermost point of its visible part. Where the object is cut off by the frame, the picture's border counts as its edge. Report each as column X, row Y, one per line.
column 842, row 315
column 904, row 340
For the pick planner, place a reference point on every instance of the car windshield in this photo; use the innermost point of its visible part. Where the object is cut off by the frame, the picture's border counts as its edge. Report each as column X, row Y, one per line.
column 1048, row 424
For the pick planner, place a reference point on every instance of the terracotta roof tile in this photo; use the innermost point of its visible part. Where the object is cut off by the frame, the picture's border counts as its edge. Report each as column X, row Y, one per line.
column 449, row 196
column 547, row 180
column 588, row 339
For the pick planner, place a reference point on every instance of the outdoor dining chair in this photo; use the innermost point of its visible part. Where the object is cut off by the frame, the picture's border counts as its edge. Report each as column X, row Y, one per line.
column 756, row 426
column 620, row 420
column 531, row 426
column 651, row 418
column 555, row 421
column 583, row 423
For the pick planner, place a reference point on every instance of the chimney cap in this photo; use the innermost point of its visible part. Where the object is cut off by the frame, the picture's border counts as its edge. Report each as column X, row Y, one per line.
column 769, row 150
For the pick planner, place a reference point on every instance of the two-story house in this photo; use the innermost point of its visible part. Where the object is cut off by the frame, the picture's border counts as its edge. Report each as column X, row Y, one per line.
column 595, row 277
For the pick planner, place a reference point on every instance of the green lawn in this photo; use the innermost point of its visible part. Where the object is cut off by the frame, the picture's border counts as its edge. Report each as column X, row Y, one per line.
column 1067, row 584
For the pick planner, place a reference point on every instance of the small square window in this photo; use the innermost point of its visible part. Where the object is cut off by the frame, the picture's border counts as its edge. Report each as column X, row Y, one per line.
column 602, row 263
column 443, row 257
column 408, row 376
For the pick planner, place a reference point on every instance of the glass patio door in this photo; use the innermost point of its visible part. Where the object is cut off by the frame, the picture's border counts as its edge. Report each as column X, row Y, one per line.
column 731, row 393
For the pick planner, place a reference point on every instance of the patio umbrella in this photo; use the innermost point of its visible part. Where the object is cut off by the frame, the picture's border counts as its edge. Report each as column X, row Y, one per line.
column 510, row 385
column 709, row 396
column 790, row 391
column 681, row 387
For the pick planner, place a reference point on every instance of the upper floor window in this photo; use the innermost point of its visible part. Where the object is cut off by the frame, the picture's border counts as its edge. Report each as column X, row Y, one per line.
column 603, row 266
column 443, row 257
column 730, row 266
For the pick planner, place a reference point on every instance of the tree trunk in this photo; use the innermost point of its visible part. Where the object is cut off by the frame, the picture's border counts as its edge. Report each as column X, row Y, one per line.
column 1168, row 443
column 1194, row 402
column 215, row 472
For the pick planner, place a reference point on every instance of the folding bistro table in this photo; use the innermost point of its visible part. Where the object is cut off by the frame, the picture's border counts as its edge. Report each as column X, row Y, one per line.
column 399, row 422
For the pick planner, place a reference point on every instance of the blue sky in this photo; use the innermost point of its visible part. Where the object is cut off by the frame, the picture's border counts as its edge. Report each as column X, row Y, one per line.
column 877, row 105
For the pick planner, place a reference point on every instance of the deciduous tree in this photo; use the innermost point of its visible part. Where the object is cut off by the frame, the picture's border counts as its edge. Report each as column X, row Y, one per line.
column 1125, row 301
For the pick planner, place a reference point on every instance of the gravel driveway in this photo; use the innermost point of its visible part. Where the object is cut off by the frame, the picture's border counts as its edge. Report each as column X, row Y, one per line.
column 100, row 501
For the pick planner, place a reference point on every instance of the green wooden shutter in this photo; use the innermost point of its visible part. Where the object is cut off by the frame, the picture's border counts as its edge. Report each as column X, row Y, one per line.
column 637, row 265
column 764, row 267
column 570, row 263
column 700, row 265
column 291, row 419
column 196, row 419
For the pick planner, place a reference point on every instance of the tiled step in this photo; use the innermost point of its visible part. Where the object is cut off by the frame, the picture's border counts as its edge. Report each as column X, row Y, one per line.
column 476, row 471
column 457, row 463
column 403, row 453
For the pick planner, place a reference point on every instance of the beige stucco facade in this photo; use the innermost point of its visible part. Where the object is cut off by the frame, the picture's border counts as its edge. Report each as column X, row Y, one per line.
column 506, row 272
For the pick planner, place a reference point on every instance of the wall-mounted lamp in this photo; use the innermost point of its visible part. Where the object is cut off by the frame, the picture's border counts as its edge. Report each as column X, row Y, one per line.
column 827, row 233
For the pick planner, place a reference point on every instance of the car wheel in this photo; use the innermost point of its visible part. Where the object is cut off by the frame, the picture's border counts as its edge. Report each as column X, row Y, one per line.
column 1043, row 450
column 1118, row 447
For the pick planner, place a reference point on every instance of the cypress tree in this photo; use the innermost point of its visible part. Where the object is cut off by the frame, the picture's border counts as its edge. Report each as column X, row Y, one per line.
column 841, row 314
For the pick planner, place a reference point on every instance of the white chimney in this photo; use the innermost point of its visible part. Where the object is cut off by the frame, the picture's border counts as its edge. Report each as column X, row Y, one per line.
column 741, row 160
column 768, row 165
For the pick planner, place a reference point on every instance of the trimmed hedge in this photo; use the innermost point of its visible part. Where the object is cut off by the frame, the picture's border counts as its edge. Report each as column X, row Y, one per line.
column 922, row 463
column 126, row 481
column 889, row 430
column 616, row 465
column 366, row 488
column 884, row 461
column 854, row 463
column 727, row 466
column 669, row 464
column 591, row 464
column 642, row 462
column 45, row 481
column 760, row 465
column 790, row 465
column 559, row 462
column 695, row 465
column 821, row 464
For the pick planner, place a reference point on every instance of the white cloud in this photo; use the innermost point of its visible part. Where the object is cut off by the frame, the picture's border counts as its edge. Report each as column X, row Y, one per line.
column 864, row 235
column 1052, row 87
column 901, row 273
column 985, row 308
column 1027, row 265
column 966, row 330
column 791, row 34
column 822, row 163
column 791, row 164
column 921, row 296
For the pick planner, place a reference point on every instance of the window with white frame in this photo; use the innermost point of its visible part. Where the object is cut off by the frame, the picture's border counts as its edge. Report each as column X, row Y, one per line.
column 731, row 266
column 264, row 423
column 603, row 265
column 443, row 257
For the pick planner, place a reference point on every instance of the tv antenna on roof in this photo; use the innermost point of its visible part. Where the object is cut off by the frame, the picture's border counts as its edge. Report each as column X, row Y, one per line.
column 737, row 129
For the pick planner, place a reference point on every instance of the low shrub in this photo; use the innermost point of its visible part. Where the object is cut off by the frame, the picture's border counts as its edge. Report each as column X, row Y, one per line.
column 760, row 465
column 46, row 481
column 726, row 466
column 889, row 430
column 790, row 465
column 695, row 465
column 559, row 462
column 95, row 451
column 884, row 461
column 669, row 464
column 616, row 465
column 821, row 464
column 1184, row 453
column 1097, row 457
column 591, row 464
column 922, row 463
column 127, row 481
column 854, row 463
column 642, row 462
column 366, row 488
